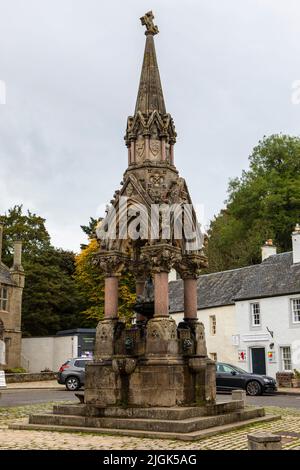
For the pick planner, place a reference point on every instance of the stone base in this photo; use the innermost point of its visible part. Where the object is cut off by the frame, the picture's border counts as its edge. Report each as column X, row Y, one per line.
column 183, row 423
column 153, row 381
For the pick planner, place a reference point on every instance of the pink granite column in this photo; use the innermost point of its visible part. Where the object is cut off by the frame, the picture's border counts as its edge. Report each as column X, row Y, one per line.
column 161, row 294
column 129, row 155
column 163, row 149
column 190, row 299
column 132, row 151
column 111, row 298
column 139, row 288
column 172, row 154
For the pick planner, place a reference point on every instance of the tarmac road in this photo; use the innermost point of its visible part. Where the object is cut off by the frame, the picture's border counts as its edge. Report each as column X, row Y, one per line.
column 30, row 397
column 23, row 397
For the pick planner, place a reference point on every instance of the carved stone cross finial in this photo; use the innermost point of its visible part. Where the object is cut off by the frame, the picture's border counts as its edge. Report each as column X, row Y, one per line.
column 147, row 20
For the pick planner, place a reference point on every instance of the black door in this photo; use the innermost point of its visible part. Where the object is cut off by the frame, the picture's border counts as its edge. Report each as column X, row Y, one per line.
column 258, row 361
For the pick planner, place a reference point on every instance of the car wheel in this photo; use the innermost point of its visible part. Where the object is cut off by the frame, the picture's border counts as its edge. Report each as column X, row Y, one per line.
column 253, row 388
column 72, row 384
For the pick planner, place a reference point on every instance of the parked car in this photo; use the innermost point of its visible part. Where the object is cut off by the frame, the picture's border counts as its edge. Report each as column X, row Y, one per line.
column 72, row 373
column 230, row 377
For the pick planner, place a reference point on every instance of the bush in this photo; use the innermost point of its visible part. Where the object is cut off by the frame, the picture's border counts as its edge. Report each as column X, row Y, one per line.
column 296, row 374
column 16, row 370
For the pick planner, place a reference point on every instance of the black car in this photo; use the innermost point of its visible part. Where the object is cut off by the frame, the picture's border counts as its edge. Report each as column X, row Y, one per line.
column 230, row 377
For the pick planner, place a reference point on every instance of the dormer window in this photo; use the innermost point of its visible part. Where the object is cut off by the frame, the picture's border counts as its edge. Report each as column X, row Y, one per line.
column 3, row 298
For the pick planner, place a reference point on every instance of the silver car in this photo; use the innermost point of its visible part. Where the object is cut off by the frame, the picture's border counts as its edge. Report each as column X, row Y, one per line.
column 72, row 373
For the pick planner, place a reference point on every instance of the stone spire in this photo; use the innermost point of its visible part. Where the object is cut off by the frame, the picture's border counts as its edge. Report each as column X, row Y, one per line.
column 150, row 94
column 150, row 133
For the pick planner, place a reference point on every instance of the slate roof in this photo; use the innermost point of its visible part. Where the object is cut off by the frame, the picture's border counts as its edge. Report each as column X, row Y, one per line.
column 275, row 276
column 5, row 276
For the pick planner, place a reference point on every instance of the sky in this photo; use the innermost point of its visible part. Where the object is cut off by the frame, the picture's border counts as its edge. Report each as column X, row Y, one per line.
column 71, row 68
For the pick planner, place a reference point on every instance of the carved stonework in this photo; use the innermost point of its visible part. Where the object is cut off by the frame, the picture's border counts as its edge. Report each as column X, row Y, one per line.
column 129, row 190
column 161, row 329
column 111, row 263
column 104, row 346
column 123, row 366
column 190, row 265
column 161, row 336
column 155, row 148
column 199, row 332
column 161, row 257
column 147, row 20
column 157, row 180
column 139, row 149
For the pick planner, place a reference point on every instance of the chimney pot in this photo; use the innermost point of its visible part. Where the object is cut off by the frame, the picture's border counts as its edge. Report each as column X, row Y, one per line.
column 296, row 244
column 17, row 254
column 268, row 249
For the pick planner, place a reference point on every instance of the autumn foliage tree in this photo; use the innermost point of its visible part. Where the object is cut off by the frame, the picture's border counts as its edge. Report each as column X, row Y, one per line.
column 91, row 285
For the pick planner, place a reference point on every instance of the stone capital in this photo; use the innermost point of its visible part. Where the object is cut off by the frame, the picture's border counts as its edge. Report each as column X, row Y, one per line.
column 111, row 263
column 190, row 265
column 160, row 257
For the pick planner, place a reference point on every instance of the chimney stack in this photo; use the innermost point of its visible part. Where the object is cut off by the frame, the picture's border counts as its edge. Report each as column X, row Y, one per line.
column 17, row 255
column 268, row 249
column 296, row 244
column 1, row 239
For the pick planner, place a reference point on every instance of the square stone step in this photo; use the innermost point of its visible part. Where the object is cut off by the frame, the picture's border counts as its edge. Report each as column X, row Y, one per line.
column 172, row 413
column 202, row 434
column 145, row 424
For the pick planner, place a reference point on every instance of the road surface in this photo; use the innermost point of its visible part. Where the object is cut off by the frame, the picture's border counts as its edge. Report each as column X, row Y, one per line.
column 30, row 397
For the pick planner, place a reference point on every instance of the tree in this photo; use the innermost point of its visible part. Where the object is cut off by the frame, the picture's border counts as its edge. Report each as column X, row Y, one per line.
column 51, row 299
column 89, row 229
column 264, row 203
column 91, row 285
column 28, row 227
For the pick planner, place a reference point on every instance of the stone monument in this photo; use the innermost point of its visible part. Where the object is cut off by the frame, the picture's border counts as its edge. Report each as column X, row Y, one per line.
column 154, row 377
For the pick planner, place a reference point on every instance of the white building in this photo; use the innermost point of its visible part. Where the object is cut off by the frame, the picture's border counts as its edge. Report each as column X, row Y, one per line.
column 252, row 314
column 50, row 352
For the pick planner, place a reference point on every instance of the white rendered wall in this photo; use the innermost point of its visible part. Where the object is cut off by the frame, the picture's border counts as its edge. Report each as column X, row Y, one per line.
column 221, row 342
column 276, row 315
column 48, row 352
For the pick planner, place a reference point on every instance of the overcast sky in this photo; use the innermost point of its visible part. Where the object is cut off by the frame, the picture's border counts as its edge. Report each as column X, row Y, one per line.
column 72, row 68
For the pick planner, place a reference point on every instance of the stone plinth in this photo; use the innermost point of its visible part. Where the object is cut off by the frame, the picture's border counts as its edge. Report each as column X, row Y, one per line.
column 264, row 441
column 163, row 382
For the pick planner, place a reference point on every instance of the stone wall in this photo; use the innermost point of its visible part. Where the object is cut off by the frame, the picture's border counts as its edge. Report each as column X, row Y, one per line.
column 16, row 378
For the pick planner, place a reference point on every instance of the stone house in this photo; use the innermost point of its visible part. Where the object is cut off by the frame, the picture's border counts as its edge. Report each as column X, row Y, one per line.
column 251, row 315
column 11, row 290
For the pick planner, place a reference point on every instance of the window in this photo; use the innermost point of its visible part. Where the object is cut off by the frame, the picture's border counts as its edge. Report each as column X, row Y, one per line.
column 80, row 363
column 224, row 369
column 255, row 314
column 286, row 358
column 213, row 356
column 3, row 298
column 213, row 325
column 296, row 310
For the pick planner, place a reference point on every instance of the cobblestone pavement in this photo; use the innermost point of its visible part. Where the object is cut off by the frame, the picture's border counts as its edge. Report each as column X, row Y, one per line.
column 288, row 426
